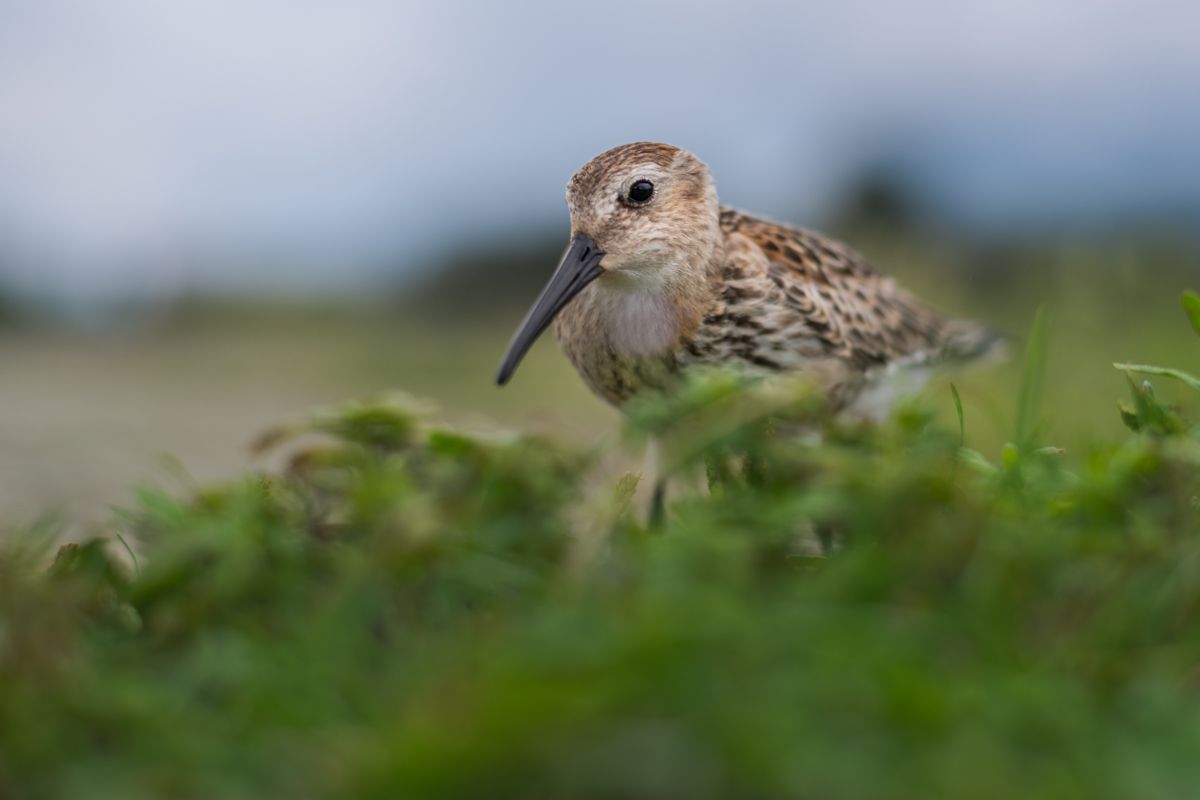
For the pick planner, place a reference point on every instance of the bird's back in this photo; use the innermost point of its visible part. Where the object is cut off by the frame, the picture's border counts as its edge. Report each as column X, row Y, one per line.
column 793, row 300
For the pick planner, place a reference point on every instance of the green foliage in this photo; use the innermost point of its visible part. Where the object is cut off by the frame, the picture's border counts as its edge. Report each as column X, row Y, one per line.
column 958, row 412
column 1169, row 372
column 1032, row 378
column 1191, row 307
column 408, row 611
column 1148, row 414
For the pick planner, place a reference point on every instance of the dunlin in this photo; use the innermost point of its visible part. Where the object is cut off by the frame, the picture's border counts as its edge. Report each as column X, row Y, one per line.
column 658, row 278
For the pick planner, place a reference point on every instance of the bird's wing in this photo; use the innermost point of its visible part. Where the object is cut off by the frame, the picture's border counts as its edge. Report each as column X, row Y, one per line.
column 857, row 314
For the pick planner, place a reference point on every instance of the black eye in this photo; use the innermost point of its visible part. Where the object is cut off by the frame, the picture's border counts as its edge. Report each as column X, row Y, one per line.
column 641, row 191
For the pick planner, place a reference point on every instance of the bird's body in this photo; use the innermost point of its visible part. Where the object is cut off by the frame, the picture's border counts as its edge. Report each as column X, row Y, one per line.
column 674, row 281
column 773, row 299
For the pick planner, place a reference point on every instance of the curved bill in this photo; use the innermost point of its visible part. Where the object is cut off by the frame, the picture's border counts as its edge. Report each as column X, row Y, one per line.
column 580, row 266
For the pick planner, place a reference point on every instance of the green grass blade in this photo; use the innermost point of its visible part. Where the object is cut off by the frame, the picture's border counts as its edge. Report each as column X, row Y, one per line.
column 1191, row 307
column 958, row 409
column 1032, row 379
column 1166, row 372
column 132, row 555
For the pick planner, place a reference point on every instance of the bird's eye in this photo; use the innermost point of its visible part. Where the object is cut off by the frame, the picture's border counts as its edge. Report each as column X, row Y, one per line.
column 641, row 191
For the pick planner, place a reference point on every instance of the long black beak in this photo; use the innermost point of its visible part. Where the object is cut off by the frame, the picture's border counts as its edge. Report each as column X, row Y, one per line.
column 580, row 266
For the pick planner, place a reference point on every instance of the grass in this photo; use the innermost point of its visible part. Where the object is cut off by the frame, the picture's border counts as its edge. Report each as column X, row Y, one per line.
column 89, row 413
column 405, row 610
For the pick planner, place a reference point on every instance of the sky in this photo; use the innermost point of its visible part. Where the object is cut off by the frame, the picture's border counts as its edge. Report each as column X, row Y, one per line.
column 147, row 147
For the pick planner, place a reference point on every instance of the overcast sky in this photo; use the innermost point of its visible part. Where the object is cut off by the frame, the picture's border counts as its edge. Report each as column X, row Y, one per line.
column 152, row 144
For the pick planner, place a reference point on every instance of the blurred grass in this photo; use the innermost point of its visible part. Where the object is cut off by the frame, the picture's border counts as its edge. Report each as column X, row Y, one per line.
column 386, row 607
column 87, row 413
column 406, row 611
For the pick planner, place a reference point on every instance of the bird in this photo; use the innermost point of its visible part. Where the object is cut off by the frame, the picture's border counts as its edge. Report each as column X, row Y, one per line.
column 658, row 278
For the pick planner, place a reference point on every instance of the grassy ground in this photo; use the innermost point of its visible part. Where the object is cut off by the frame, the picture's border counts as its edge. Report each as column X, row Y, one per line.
column 87, row 415
column 405, row 611
column 389, row 607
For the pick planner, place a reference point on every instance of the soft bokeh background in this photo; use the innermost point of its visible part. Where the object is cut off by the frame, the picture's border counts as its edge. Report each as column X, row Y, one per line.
column 216, row 215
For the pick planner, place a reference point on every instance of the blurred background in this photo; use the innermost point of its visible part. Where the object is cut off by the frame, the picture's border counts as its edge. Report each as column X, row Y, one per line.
column 217, row 215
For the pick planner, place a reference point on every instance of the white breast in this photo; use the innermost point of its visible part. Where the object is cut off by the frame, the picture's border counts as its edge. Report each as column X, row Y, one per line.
column 639, row 322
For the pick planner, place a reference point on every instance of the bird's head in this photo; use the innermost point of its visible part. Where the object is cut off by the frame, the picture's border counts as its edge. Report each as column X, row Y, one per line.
column 649, row 207
column 644, row 216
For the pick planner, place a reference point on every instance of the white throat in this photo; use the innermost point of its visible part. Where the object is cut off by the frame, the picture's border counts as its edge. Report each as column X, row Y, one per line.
column 639, row 320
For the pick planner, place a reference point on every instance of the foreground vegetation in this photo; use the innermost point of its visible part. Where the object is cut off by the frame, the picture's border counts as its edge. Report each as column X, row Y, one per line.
column 409, row 611
column 91, row 411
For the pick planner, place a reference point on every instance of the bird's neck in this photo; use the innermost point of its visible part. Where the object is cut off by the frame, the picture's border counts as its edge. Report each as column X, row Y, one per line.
column 644, row 315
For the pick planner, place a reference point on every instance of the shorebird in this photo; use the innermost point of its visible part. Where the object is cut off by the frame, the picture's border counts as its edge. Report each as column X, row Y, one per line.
column 658, row 277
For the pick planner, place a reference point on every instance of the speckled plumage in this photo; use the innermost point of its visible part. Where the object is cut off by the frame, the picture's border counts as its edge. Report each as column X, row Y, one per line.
column 685, row 282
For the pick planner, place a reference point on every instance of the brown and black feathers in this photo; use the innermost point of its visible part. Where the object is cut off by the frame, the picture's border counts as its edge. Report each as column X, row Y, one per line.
column 672, row 280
